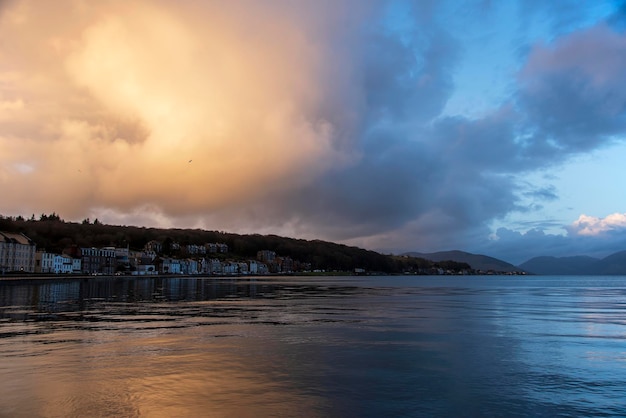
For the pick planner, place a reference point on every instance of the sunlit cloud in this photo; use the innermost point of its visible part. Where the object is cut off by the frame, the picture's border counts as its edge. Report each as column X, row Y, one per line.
column 187, row 107
column 591, row 225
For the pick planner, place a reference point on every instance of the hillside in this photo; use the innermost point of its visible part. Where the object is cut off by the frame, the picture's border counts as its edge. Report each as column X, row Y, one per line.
column 614, row 264
column 52, row 234
column 476, row 261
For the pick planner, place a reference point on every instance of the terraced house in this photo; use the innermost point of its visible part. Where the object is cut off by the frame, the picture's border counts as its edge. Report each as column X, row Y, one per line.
column 17, row 253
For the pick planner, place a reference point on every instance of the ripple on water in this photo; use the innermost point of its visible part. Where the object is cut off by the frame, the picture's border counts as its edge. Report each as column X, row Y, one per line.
column 327, row 347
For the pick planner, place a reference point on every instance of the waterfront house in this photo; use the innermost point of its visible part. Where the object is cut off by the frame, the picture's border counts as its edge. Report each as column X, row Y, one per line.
column 44, row 262
column 189, row 266
column 94, row 260
column 62, row 264
column 17, row 253
column 76, row 265
column 215, row 266
column 168, row 265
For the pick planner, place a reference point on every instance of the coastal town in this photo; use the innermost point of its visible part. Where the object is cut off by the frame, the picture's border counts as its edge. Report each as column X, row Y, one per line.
column 50, row 246
column 19, row 254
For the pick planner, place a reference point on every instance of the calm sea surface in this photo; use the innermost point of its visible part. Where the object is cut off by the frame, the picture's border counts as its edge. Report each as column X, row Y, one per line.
column 314, row 347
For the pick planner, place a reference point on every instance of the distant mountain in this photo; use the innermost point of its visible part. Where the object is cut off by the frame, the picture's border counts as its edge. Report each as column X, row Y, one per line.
column 560, row 265
column 614, row 264
column 477, row 261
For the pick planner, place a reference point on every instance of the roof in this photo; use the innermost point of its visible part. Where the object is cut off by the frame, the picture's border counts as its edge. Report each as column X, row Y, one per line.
column 12, row 238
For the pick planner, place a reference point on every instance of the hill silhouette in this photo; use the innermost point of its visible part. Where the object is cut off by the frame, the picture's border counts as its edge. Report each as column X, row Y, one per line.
column 614, row 264
column 53, row 234
column 476, row 261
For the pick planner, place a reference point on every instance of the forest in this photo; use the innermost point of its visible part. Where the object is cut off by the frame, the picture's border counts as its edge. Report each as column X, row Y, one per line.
column 52, row 234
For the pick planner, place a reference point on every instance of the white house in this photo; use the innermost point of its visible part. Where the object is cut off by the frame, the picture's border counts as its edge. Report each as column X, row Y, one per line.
column 215, row 266
column 44, row 262
column 189, row 266
column 230, row 268
column 63, row 264
column 170, row 266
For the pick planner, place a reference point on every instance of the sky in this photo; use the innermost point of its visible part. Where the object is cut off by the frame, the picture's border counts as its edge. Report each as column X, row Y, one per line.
column 491, row 127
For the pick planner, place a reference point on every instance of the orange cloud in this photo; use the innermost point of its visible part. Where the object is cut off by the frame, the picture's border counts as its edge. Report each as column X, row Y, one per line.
column 182, row 107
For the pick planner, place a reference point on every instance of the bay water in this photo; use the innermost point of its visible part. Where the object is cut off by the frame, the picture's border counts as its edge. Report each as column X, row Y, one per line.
column 399, row 346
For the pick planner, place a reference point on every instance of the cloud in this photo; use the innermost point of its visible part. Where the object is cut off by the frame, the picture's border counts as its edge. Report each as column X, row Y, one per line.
column 471, row 166
column 570, row 90
column 517, row 247
column 311, row 119
column 125, row 95
column 593, row 226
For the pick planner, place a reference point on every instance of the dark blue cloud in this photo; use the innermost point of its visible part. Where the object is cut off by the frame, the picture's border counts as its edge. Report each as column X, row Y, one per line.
column 422, row 181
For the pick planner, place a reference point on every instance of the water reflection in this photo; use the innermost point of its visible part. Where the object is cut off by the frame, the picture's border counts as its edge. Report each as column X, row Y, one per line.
column 311, row 347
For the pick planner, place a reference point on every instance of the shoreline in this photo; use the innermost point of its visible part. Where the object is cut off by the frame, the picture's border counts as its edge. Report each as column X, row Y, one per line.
column 44, row 277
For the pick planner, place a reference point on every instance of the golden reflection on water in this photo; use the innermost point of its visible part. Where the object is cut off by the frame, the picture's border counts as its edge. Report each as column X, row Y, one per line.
column 182, row 374
column 206, row 348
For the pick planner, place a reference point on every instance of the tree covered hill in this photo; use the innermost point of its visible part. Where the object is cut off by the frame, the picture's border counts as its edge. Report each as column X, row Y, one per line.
column 477, row 261
column 53, row 234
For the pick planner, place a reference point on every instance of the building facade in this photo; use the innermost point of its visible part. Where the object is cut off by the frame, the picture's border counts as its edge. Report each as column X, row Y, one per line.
column 17, row 253
column 98, row 260
column 63, row 264
column 44, row 262
column 266, row 256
